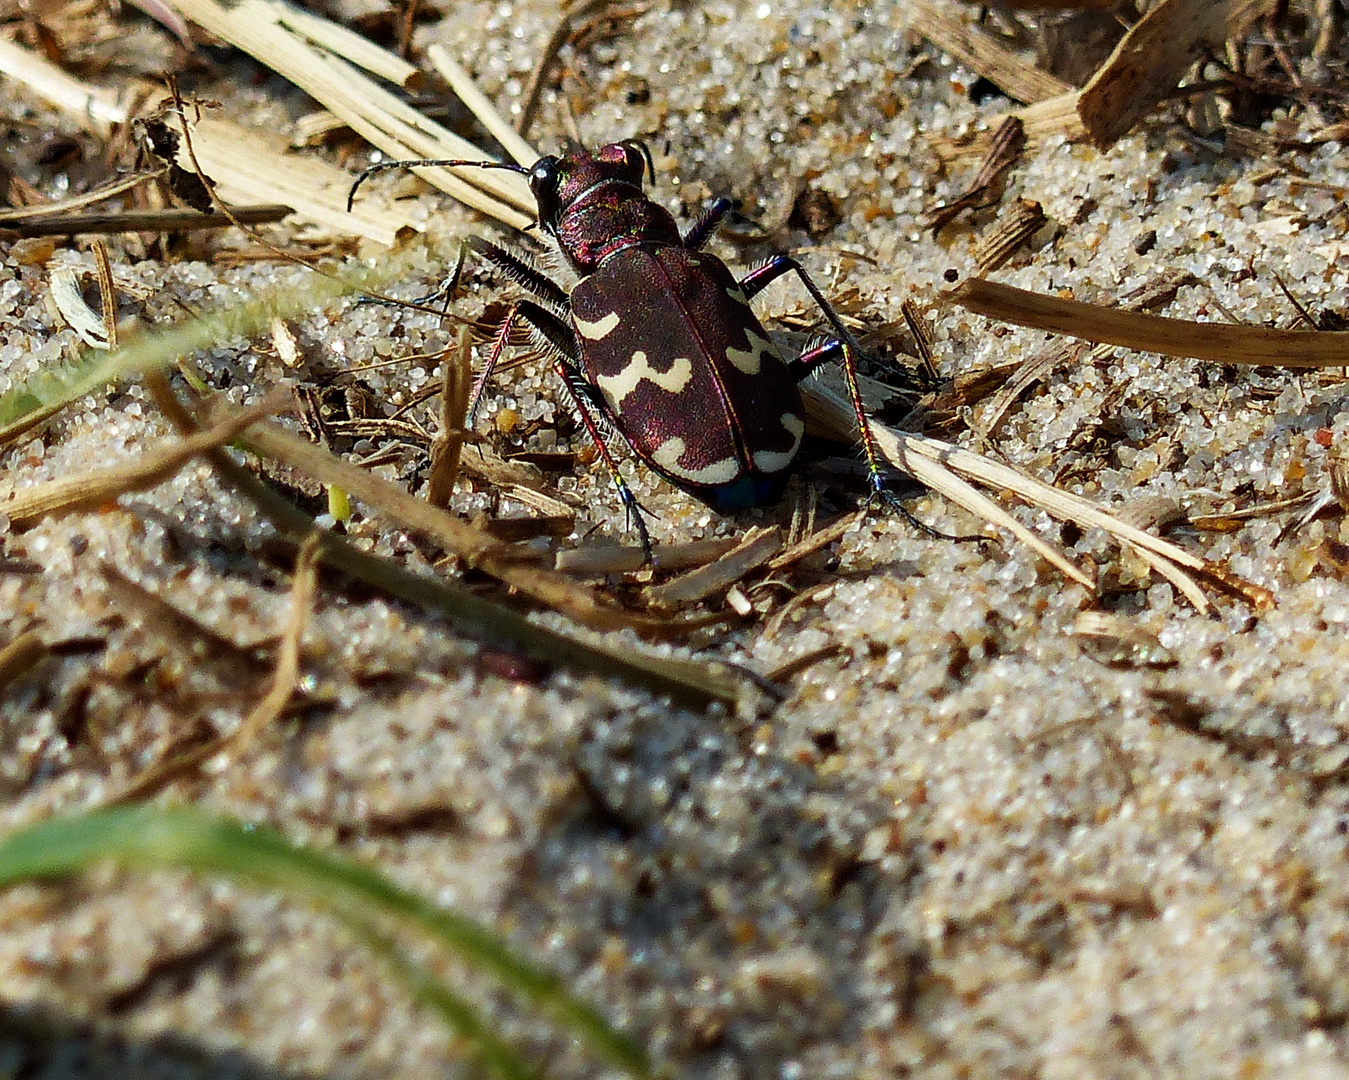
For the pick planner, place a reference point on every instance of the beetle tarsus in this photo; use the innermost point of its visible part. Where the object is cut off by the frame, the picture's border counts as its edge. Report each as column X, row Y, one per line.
column 880, row 492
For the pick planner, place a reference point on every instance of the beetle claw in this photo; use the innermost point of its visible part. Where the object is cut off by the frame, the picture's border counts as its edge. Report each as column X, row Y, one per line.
column 634, row 520
column 879, row 492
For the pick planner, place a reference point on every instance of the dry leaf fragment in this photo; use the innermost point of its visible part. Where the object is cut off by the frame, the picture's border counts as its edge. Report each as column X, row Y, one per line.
column 1153, row 57
column 1220, row 342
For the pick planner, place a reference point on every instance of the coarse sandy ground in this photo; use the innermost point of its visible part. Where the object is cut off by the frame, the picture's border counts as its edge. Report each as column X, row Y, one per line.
column 970, row 842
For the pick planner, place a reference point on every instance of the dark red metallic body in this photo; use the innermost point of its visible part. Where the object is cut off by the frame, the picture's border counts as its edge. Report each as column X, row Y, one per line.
column 665, row 334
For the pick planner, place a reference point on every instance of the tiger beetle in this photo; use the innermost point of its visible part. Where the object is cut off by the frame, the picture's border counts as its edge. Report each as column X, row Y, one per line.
column 658, row 338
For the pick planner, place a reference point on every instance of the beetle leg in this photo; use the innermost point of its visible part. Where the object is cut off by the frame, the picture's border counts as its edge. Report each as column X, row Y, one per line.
column 522, row 273
column 556, row 336
column 707, row 224
column 834, row 349
column 843, row 347
column 576, row 387
column 842, row 350
column 553, row 333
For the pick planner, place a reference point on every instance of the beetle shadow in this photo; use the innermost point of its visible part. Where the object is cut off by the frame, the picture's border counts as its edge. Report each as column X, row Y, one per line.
column 42, row 1043
column 733, row 884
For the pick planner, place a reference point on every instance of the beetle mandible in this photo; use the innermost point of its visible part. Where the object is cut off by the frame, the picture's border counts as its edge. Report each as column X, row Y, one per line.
column 658, row 337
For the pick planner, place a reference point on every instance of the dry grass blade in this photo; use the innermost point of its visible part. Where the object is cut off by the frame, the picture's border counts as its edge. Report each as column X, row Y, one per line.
column 461, row 82
column 268, row 31
column 157, row 221
column 757, row 547
column 603, row 561
column 99, row 109
column 247, row 167
column 107, row 291
column 304, row 586
column 1153, row 57
column 1172, row 562
column 474, row 546
column 66, row 207
column 685, row 680
column 830, row 415
column 176, row 630
column 456, row 382
column 265, row 713
column 95, row 489
column 952, row 33
column 1219, row 342
column 547, row 56
column 936, row 463
column 922, row 336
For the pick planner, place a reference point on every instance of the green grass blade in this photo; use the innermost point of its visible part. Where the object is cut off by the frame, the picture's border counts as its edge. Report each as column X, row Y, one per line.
column 92, row 369
column 154, row 836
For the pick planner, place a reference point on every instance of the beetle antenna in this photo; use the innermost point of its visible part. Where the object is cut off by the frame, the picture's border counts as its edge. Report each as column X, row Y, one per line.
column 444, row 163
column 646, row 153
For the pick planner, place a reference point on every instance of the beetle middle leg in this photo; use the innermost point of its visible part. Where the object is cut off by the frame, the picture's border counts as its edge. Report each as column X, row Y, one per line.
column 834, row 350
column 844, row 349
column 554, row 334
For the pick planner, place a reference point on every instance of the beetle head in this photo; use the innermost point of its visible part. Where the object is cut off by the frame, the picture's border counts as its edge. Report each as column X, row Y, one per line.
column 592, row 203
column 557, row 182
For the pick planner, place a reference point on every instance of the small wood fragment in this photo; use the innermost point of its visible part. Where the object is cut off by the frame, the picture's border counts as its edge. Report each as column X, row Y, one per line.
column 1010, row 231
column 1035, row 369
column 757, row 548
column 158, row 221
column 20, row 655
column 456, row 382
column 813, row 542
column 1154, row 56
column 1008, row 142
column 952, row 33
column 1121, row 642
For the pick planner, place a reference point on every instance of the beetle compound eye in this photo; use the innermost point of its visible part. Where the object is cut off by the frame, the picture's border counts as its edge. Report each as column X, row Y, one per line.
column 543, row 182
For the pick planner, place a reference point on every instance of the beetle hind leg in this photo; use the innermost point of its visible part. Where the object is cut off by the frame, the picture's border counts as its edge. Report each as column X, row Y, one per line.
column 581, row 398
column 843, row 352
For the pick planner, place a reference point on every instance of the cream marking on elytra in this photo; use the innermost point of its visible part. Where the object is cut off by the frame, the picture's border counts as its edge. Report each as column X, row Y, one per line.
column 771, row 461
column 667, row 456
column 600, row 328
column 750, row 360
column 617, row 387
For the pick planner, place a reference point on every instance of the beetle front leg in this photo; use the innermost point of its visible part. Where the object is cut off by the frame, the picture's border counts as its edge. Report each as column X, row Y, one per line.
column 522, row 273
column 707, row 224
